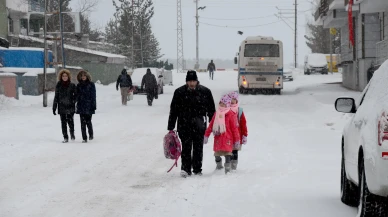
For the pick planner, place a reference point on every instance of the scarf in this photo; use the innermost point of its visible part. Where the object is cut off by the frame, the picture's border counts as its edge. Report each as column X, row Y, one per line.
column 219, row 126
column 234, row 108
column 66, row 83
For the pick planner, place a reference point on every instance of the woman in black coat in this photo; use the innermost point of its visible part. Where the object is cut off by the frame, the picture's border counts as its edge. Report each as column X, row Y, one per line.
column 64, row 100
column 86, row 103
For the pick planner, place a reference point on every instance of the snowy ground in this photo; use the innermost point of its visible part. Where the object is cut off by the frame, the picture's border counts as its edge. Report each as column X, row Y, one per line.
column 290, row 166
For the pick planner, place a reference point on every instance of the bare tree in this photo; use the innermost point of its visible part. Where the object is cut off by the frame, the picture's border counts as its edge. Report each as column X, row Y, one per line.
column 87, row 6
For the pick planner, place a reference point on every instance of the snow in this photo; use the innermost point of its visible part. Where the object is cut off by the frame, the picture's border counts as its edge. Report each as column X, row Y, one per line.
column 290, row 166
column 23, row 48
column 317, row 60
column 27, row 71
column 71, row 67
column 80, row 49
column 7, row 74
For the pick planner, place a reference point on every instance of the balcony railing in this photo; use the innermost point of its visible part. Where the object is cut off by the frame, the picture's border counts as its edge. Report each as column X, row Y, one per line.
column 381, row 52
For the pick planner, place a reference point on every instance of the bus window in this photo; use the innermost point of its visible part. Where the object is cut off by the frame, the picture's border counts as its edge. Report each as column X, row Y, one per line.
column 261, row 50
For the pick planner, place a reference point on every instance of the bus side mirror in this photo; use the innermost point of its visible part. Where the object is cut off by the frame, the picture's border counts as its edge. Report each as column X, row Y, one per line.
column 235, row 60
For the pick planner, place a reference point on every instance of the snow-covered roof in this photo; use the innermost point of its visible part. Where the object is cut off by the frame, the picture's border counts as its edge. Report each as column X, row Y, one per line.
column 23, row 48
column 7, row 74
column 71, row 67
column 27, row 71
column 38, row 71
column 80, row 49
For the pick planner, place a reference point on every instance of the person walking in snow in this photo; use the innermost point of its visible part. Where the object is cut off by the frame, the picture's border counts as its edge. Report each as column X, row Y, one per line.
column 191, row 105
column 241, row 126
column 223, row 126
column 151, row 86
column 211, row 67
column 64, row 100
column 125, row 82
column 86, row 103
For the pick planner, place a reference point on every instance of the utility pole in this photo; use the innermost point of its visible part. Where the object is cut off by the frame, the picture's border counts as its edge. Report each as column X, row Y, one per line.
column 133, row 33
column 62, row 40
column 197, row 38
column 45, row 56
column 295, row 29
column 180, row 59
column 296, row 34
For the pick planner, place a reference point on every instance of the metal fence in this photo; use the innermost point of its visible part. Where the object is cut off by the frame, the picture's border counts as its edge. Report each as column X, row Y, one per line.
column 381, row 52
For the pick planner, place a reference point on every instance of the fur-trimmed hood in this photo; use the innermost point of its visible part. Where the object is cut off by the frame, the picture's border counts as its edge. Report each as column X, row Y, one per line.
column 64, row 71
column 80, row 73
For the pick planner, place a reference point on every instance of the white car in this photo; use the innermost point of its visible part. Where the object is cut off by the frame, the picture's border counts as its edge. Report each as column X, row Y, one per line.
column 137, row 77
column 364, row 146
column 287, row 76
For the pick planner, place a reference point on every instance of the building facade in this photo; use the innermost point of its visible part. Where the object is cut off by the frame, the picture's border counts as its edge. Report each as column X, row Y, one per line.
column 370, row 30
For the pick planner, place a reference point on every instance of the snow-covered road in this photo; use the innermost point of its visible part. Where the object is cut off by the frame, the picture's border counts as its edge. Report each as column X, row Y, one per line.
column 290, row 166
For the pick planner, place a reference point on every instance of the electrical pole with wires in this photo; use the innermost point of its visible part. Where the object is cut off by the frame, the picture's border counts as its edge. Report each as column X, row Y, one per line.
column 291, row 12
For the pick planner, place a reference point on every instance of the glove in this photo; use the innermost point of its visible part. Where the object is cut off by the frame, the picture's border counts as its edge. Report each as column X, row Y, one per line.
column 244, row 140
column 205, row 140
column 236, row 145
column 54, row 112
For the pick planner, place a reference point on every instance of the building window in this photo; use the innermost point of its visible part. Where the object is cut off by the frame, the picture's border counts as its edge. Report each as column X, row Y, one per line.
column 10, row 25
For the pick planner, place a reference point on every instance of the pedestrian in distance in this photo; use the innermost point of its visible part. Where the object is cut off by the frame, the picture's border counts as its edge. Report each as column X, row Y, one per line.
column 150, row 85
column 192, row 106
column 64, row 101
column 211, row 67
column 86, row 103
column 125, row 83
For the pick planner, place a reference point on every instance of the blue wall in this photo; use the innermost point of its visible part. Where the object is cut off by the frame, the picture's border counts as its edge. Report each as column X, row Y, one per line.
column 23, row 58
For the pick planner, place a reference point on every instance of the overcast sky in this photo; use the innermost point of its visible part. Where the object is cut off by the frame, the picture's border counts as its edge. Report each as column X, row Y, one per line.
column 220, row 22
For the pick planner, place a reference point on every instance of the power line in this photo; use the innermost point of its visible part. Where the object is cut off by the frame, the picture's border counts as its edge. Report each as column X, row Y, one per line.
column 248, row 18
column 238, row 27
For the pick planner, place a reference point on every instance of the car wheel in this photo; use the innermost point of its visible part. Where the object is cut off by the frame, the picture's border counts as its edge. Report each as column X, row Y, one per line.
column 370, row 205
column 348, row 188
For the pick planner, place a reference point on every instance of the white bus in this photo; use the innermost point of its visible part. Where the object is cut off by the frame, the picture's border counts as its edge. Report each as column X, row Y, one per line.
column 260, row 65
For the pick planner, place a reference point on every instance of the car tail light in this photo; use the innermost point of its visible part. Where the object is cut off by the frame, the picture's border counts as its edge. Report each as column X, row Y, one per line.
column 383, row 129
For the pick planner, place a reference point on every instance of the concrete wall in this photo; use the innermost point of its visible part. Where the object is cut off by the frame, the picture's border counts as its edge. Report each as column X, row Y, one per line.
column 106, row 73
column 386, row 25
column 372, row 35
column 3, row 19
column 346, row 52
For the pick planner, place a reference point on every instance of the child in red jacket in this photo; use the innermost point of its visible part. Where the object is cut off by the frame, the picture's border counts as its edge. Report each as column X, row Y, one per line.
column 241, row 126
column 223, row 126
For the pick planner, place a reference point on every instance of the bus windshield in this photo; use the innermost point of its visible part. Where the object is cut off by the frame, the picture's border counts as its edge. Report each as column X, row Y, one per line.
column 261, row 50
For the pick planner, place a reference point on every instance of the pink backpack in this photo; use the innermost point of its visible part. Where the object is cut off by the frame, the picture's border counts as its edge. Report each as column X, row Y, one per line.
column 172, row 148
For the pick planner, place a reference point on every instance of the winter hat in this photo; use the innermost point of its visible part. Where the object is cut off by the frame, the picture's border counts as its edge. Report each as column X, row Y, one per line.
column 191, row 76
column 233, row 95
column 227, row 100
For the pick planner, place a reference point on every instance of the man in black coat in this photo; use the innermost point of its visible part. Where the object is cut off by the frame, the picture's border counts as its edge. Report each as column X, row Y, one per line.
column 125, row 82
column 191, row 104
column 151, row 86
